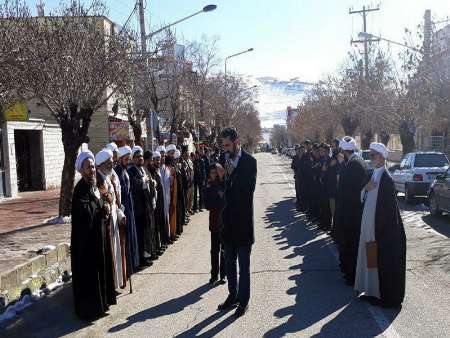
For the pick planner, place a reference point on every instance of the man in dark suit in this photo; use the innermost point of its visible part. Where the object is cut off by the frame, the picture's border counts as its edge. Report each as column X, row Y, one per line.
column 237, row 220
column 353, row 178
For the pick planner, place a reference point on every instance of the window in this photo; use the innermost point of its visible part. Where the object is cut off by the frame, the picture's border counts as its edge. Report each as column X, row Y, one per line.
column 431, row 160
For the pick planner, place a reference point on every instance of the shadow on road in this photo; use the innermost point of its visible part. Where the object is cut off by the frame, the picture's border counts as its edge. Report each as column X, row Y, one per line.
column 55, row 318
column 164, row 309
column 319, row 288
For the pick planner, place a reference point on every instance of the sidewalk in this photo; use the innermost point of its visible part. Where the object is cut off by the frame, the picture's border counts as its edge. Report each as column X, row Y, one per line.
column 19, row 239
column 31, row 208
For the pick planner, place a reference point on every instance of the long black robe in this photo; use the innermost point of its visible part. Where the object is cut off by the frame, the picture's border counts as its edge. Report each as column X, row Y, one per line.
column 181, row 203
column 132, row 248
column 91, row 260
column 348, row 226
column 391, row 240
column 143, row 213
column 160, row 219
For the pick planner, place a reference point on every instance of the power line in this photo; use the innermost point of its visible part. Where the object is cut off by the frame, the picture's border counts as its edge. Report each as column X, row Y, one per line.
column 364, row 13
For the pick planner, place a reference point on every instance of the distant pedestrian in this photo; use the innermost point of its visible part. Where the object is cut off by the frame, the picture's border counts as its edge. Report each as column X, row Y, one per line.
column 381, row 268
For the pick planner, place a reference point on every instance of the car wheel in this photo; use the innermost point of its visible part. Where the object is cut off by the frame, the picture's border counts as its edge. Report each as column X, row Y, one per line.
column 408, row 196
column 434, row 207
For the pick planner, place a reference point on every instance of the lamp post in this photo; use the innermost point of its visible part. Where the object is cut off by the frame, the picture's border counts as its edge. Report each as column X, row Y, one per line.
column 368, row 36
column 205, row 9
column 226, row 79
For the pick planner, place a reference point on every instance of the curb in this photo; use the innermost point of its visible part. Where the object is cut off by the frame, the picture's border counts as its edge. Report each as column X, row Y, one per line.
column 34, row 275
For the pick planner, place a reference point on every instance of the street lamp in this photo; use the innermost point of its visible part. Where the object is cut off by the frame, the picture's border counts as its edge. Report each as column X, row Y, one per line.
column 205, row 9
column 226, row 79
column 368, row 36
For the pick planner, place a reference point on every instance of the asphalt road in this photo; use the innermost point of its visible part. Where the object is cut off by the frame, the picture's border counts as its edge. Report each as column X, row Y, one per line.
column 297, row 289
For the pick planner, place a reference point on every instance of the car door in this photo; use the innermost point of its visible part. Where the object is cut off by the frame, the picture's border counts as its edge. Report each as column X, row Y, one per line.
column 397, row 175
column 444, row 193
column 408, row 173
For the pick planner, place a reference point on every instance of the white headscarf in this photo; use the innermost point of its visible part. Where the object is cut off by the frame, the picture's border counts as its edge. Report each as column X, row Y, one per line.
column 380, row 148
column 161, row 149
column 171, row 147
column 135, row 150
column 348, row 145
column 102, row 156
column 84, row 155
column 112, row 146
column 126, row 150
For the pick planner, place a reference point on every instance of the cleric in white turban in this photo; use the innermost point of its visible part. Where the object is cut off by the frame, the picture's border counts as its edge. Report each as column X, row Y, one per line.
column 156, row 154
column 103, row 156
column 126, row 150
column 84, row 155
column 161, row 149
column 136, row 151
column 171, row 148
column 352, row 178
column 380, row 272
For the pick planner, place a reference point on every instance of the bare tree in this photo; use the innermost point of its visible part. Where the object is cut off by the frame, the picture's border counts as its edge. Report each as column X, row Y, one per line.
column 73, row 65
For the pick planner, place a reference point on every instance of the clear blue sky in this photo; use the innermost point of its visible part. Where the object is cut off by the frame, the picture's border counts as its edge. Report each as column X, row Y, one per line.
column 292, row 38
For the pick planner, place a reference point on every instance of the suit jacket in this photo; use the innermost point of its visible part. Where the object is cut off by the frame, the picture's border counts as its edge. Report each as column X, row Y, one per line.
column 237, row 215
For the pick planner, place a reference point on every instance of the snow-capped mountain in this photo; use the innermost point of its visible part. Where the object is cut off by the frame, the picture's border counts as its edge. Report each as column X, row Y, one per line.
column 275, row 95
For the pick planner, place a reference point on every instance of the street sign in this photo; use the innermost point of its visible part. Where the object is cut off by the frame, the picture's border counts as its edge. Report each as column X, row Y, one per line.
column 16, row 112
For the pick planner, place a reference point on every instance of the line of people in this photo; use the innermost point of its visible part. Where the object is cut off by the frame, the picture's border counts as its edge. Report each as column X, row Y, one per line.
column 359, row 209
column 127, row 208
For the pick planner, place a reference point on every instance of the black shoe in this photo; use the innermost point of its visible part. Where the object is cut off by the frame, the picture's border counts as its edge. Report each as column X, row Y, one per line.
column 213, row 280
column 222, row 281
column 240, row 311
column 230, row 303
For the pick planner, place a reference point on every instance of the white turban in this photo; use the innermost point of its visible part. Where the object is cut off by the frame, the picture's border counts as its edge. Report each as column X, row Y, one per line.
column 161, row 149
column 102, row 156
column 379, row 148
column 83, row 156
column 171, row 147
column 177, row 154
column 112, row 146
column 156, row 154
column 135, row 150
column 347, row 145
column 124, row 151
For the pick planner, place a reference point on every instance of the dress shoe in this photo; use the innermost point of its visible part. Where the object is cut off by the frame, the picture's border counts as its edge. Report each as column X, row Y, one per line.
column 241, row 310
column 213, row 280
column 222, row 281
column 230, row 303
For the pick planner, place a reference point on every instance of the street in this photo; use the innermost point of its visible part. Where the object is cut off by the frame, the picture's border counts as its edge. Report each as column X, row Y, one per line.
column 297, row 288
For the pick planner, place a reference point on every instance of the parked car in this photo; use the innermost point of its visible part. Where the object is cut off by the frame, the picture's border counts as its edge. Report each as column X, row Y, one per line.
column 439, row 194
column 274, row 151
column 417, row 171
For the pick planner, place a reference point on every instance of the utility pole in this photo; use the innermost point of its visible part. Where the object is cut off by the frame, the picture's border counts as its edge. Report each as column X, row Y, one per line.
column 149, row 116
column 427, row 28
column 364, row 11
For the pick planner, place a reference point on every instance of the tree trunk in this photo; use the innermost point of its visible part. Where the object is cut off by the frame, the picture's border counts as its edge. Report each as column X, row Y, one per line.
column 367, row 138
column 67, row 180
column 407, row 137
column 385, row 137
column 349, row 125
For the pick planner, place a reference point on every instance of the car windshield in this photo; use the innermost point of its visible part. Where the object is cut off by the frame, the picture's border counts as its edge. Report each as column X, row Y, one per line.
column 430, row 160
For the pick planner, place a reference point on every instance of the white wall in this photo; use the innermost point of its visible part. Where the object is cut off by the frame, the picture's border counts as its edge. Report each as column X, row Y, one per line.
column 52, row 153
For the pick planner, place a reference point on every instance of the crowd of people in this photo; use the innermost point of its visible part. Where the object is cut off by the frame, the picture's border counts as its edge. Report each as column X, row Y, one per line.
column 358, row 208
column 127, row 208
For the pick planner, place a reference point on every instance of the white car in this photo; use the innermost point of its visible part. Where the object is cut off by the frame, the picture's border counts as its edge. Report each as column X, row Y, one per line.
column 417, row 171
